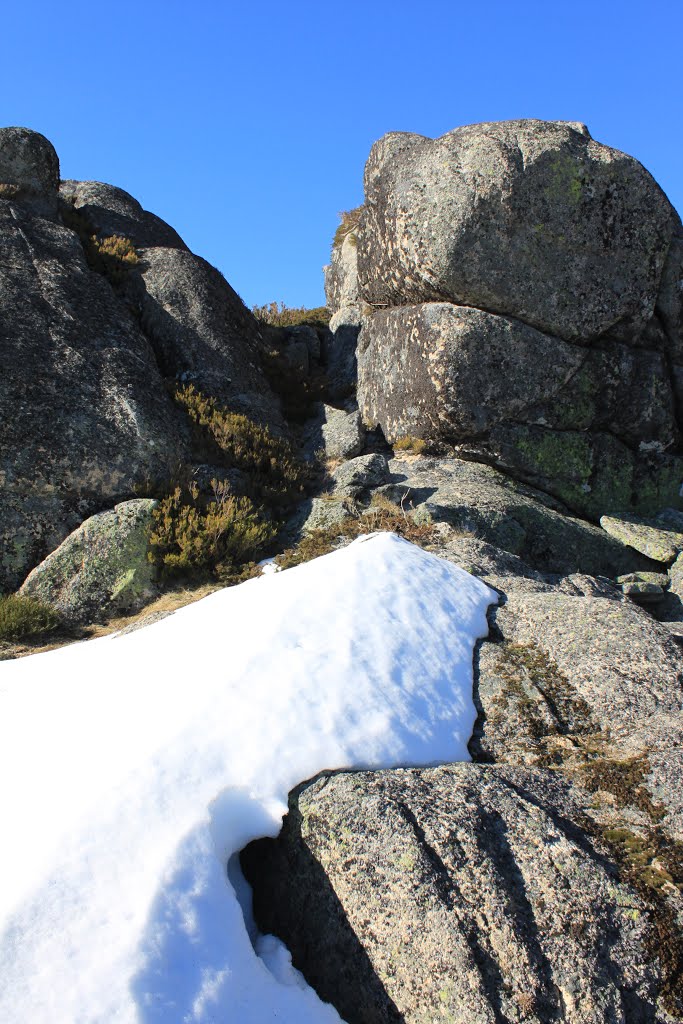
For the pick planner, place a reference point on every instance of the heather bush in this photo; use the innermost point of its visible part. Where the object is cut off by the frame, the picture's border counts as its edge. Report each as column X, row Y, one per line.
column 279, row 315
column 195, row 536
column 22, row 617
column 276, row 473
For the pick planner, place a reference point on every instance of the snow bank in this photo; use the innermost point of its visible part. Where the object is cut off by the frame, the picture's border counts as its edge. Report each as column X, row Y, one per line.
column 133, row 767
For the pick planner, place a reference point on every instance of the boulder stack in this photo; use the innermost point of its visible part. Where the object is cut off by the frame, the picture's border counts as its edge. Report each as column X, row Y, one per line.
column 522, row 290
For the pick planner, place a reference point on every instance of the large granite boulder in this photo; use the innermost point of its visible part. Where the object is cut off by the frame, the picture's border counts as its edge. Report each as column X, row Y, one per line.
column 531, row 219
column 29, row 169
column 201, row 331
column 556, row 352
column 85, row 359
column 85, row 415
column 343, row 299
column 462, row 893
column 111, row 211
column 101, row 569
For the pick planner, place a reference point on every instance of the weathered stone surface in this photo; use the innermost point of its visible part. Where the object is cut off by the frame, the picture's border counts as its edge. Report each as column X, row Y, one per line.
column 29, row 169
column 202, row 332
column 481, row 500
column 359, row 475
column 111, row 211
column 584, row 424
column 321, row 513
column 462, row 893
column 520, row 218
column 576, row 665
column 338, row 433
column 85, row 415
column 341, row 278
column 660, row 538
column 101, row 569
column 670, row 298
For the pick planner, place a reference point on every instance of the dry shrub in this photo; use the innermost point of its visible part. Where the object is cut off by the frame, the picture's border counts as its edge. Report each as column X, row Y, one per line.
column 278, row 477
column 348, row 222
column 192, row 536
column 279, row 315
column 22, row 617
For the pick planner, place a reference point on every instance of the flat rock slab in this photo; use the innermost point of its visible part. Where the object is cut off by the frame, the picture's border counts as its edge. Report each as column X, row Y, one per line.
column 660, row 538
column 481, row 500
column 464, row 893
column 576, row 665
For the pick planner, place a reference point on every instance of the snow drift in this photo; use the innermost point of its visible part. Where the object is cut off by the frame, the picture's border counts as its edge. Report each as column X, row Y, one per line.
column 134, row 767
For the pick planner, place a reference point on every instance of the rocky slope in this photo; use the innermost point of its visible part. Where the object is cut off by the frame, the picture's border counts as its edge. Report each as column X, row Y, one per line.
column 508, row 303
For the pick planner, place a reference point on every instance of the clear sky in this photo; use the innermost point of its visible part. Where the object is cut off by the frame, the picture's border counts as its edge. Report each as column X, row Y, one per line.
column 247, row 126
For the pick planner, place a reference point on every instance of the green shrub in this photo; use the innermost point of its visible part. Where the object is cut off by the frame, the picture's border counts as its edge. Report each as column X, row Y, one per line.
column 276, row 473
column 348, row 222
column 416, row 445
column 192, row 536
column 22, row 617
column 280, row 315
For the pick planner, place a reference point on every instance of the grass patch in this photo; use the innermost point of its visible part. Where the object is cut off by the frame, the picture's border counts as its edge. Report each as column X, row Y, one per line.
column 381, row 516
column 221, row 537
column 279, row 315
column 22, row 617
column 348, row 223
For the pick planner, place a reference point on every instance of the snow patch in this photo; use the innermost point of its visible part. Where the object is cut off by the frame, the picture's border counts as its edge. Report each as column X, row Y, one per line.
column 135, row 767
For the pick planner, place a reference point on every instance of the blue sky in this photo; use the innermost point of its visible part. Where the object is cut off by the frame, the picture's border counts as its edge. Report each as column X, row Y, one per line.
column 247, row 126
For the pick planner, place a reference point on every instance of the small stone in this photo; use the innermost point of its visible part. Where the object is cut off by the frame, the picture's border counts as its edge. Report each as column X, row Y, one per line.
column 358, row 475
column 642, row 592
column 659, row 578
column 652, row 537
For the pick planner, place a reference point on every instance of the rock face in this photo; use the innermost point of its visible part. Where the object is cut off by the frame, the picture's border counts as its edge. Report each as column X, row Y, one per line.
column 101, row 569
column 29, row 169
column 531, row 219
column 525, row 305
column 87, row 419
column 111, row 211
column 474, row 895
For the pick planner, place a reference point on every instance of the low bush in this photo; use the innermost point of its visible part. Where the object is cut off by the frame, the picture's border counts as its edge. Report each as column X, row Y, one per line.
column 414, row 445
column 276, row 473
column 348, row 222
column 113, row 256
column 382, row 516
column 220, row 537
column 279, row 315
column 22, row 617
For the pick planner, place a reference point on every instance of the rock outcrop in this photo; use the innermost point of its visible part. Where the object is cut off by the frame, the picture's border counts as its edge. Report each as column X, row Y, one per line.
column 463, row 893
column 525, row 283
column 87, row 419
column 101, row 569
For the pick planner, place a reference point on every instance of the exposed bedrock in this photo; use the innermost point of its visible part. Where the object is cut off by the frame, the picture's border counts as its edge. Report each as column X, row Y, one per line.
column 464, row 893
column 594, row 426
